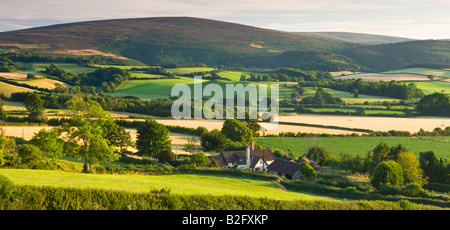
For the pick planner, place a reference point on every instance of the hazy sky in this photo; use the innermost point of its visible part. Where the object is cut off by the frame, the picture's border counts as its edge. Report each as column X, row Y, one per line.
column 421, row 19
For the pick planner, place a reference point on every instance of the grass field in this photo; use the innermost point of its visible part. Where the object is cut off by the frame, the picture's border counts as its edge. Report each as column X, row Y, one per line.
column 8, row 89
column 386, row 77
column 188, row 184
column 356, row 145
column 189, row 70
column 34, row 67
column 434, row 86
column 347, row 97
column 43, row 83
column 423, row 71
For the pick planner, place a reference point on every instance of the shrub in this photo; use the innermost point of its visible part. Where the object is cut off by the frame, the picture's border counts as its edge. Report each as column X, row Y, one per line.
column 406, row 204
column 308, row 170
column 414, row 189
column 387, row 173
column 7, row 190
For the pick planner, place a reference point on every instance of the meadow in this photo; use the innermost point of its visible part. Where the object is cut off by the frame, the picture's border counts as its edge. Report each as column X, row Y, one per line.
column 35, row 67
column 356, row 146
column 8, row 89
column 181, row 184
column 430, row 87
column 423, row 71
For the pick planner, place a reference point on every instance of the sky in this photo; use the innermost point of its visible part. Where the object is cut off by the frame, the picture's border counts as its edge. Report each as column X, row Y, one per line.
column 418, row 19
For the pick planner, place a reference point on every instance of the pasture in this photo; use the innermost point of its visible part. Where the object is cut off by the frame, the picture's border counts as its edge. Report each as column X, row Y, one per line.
column 356, row 146
column 183, row 184
column 347, row 96
column 430, row 87
column 386, row 77
column 422, row 71
column 44, row 83
column 35, row 67
column 8, row 89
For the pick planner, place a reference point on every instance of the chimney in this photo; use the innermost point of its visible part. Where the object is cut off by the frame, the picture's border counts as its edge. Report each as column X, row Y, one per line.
column 252, row 145
column 248, row 156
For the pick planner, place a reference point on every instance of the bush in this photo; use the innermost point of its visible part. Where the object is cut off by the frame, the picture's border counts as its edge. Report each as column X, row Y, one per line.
column 387, row 173
column 406, row 204
column 7, row 190
column 414, row 189
column 308, row 170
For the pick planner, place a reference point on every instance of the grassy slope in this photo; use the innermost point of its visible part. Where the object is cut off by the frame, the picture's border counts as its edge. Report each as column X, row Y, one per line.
column 7, row 89
column 178, row 184
column 434, row 86
column 423, row 71
column 356, row 146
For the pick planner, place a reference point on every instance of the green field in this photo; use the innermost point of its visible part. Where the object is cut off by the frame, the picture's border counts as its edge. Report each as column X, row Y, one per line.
column 433, row 86
column 188, row 184
column 423, row 71
column 189, row 70
column 356, row 145
column 162, row 88
column 347, row 97
column 34, row 67
column 8, row 89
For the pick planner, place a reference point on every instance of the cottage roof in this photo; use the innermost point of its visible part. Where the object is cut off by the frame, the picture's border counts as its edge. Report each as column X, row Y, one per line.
column 285, row 167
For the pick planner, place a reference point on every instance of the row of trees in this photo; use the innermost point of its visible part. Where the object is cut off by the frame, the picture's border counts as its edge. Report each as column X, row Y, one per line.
column 394, row 166
column 392, row 89
column 91, row 134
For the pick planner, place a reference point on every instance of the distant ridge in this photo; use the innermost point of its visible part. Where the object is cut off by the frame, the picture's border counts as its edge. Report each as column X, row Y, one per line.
column 165, row 39
column 179, row 40
column 361, row 38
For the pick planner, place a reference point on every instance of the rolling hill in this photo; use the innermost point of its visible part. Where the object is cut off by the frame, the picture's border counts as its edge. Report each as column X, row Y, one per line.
column 177, row 40
column 370, row 39
column 164, row 40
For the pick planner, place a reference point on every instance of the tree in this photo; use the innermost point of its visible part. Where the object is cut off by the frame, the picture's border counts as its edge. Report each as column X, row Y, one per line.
column 35, row 105
column 190, row 146
column 199, row 160
column 32, row 157
column 318, row 154
column 50, row 143
column 308, row 170
column 237, row 131
column 214, row 141
column 152, row 138
column 387, row 173
column 86, row 128
column 412, row 172
column 31, row 76
column 380, row 153
column 3, row 113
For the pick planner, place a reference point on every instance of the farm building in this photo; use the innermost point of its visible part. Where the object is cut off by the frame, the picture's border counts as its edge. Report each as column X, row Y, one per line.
column 255, row 159
column 289, row 169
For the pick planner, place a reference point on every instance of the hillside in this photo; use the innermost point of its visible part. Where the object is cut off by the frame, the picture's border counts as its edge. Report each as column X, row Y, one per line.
column 357, row 37
column 164, row 40
column 177, row 40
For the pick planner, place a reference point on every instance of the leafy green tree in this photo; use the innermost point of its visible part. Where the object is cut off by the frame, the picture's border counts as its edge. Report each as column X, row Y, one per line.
column 412, row 172
column 86, row 128
column 308, row 170
column 236, row 131
column 35, row 105
column 214, row 141
column 32, row 157
column 199, row 160
column 387, row 173
column 50, row 143
column 3, row 113
column 318, row 154
column 152, row 138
